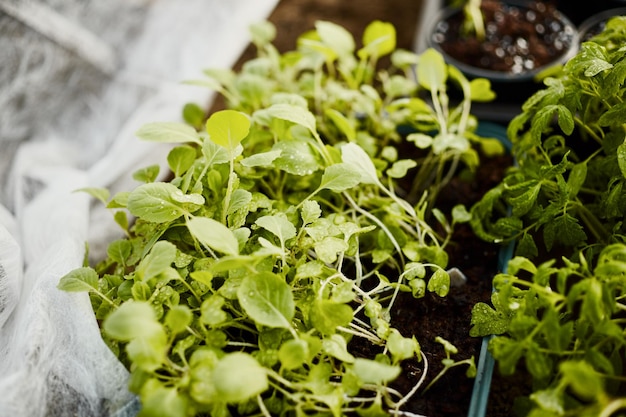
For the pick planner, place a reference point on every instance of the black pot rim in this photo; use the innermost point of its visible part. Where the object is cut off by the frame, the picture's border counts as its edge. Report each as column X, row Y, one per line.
column 476, row 72
column 591, row 21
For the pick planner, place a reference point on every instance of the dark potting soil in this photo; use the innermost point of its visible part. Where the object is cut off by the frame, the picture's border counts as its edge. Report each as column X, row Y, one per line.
column 517, row 38
column 449, row 317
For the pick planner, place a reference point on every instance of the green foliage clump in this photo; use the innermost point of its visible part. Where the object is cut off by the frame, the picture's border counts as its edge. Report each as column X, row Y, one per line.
column 558, row 310
column 284, row 235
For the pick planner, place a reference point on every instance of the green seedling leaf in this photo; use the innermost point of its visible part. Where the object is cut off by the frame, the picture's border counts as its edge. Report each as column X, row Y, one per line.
column 193, row 115
column 550, row 400
column 402, row 347
column 340, row 177
column 353, row 155
column 238, row 377
column 214, row 235
column 335, row 36
column 263, row 159
column 460, row 214
column 329, row 247
column 293, row 353
column 160, row 258
column 162, row 401
column 101, row 194
column 431, row 71
column 147, row 174
column 211, row 310
column 239, row 200
column 180, row 159
column 228, row 128
column 140, row 291
column 310, row 212
column 79, row 280
column 583, row 379
column 445, row 142
column 267, row 298
column 214, row 153
column 153, row 202
column 480, row 90
column 169, row 132
column 294, row 114
column 342, row 122
column 132, row 320
column 621, row 158
column 262, row 33
column 439, row 282
column 379, row 39
column 421, row 140
column 400, row 168
column 327, row 315
column 278, row 225
column 373, row 372
column 337, row 347
column 178, row 318
column 119, row 251
column 296, row 157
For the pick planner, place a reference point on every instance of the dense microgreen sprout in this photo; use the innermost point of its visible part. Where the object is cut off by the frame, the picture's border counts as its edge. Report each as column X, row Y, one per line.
column 558, row 311
column 284, row 234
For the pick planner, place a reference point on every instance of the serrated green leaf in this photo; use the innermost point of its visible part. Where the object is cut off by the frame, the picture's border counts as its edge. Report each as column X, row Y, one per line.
column 486, row 321
column 621, row 158
column 564, row 229
column 329, row 247
column 522, row 203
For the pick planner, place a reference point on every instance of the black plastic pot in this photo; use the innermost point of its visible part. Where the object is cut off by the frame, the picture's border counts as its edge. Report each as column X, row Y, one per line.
column 595, row 24
column 512, row 87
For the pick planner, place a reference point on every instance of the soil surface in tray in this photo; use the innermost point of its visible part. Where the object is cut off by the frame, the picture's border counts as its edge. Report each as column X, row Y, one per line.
column 432, row 316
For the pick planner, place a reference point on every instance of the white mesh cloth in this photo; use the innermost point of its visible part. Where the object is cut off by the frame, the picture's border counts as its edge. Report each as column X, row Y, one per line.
column 77, row 79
